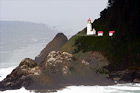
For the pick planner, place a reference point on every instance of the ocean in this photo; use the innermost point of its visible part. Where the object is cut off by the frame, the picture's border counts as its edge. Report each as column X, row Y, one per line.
column 15, row 45
column 118, row 88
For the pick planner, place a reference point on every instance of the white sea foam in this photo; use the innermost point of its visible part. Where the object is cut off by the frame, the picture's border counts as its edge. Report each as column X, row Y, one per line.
column 5, row 71
column 119, row 88
column 22, row 90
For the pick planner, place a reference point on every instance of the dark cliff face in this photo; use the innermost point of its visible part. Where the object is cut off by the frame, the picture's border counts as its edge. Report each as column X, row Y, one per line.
column 59, row 40
column 123, row 16
column 123, row 48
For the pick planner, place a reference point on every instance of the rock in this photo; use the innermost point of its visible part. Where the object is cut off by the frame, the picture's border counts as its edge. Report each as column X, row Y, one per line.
column 28, row 66
column 21, row 75
column 55, row 57
column 137, row 76
column 123, row 75
column 63, row 67
column 94, row 58
column 59, row 40
column 58, row 62
column 84, row 62
column 58, row 69
column 116, row 79
column 136, row 80
column 65, row 70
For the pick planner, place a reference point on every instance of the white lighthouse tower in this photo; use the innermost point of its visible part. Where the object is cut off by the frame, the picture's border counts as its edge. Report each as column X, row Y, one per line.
column 90, row 31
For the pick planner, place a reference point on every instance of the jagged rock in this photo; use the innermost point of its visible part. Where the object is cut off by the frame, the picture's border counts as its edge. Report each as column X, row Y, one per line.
column 55, row 57
column 21, row 75
column 58, row 62
column 59, row 40
column 28, row 66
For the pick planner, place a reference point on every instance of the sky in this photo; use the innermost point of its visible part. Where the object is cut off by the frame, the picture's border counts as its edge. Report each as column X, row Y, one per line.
column 71, row 14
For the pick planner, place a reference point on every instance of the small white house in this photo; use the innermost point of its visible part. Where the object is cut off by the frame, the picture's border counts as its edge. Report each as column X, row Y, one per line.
column 111, row 33
column 90, row 31
column 100, row 33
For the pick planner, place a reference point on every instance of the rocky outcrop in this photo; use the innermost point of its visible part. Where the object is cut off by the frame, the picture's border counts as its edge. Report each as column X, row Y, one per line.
column 57, row 63
column 64, row 68
column 21, row 76
column 59, row 40
column 128, row 75
column 57, row 70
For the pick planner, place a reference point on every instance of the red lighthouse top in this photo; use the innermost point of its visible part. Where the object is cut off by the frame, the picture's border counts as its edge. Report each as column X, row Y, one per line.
column 111, row 31
column 100, row 31
column 89, row 19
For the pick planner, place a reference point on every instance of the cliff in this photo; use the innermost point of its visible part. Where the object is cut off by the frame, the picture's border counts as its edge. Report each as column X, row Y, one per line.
column 123, row 17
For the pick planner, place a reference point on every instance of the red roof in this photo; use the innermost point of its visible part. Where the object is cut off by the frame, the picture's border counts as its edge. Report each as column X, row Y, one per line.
column 89, row 19
column 111, row 31
column 100, row 31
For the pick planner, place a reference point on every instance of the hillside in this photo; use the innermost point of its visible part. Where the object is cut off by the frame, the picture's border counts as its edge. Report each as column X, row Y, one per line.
column 123, row 17
column 122, row 50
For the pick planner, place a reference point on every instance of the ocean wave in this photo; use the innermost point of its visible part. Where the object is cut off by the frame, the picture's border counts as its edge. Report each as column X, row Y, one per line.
column 5, row 71
column 118, row 88
column 88, row 89
column 22, row 90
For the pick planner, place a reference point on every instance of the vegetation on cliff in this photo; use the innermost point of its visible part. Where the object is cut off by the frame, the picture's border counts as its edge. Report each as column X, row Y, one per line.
column 123, row 48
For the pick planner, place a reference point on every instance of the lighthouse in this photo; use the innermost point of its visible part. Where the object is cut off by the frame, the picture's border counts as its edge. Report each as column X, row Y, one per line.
column 90, row 31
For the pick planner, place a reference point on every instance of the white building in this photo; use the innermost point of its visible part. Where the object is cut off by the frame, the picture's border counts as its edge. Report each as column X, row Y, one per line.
column 100, row 33
column 90, row 31
column 111, row 33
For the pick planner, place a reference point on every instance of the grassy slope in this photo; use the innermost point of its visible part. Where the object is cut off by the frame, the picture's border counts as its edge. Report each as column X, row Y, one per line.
column 69, row 46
